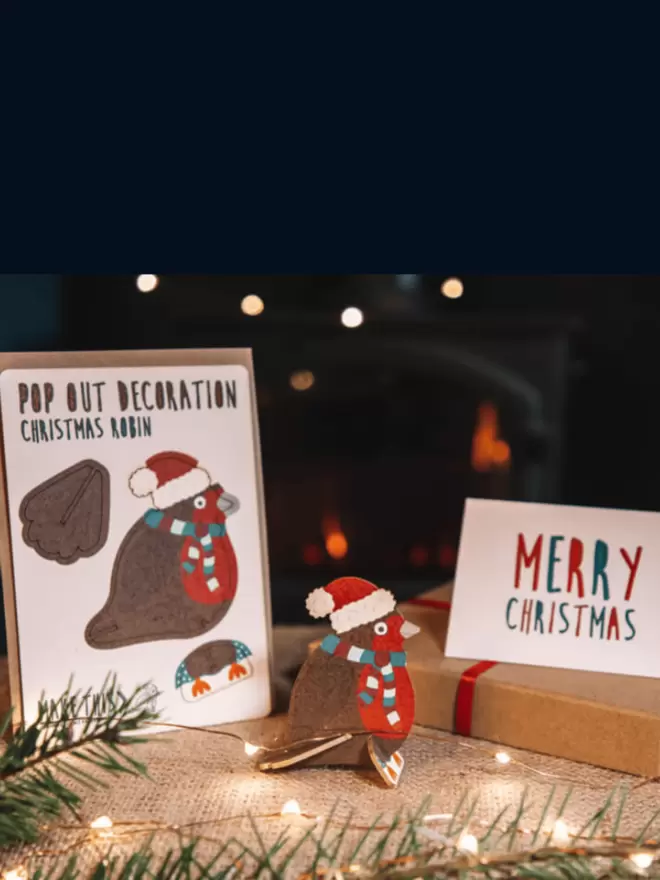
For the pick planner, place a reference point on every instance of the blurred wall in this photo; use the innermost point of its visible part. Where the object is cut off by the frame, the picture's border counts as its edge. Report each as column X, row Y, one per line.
column 30, row 320
column 30, row 312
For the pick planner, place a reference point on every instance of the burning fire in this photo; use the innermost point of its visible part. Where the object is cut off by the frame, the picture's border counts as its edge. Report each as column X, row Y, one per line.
column 488, row 450
column 336, row 544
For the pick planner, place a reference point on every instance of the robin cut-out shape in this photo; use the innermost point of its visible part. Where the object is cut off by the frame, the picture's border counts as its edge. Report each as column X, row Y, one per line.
column 354, row 685
column 175, row 575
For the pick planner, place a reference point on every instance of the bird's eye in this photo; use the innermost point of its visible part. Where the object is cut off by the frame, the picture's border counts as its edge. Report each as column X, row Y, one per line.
column 200, row 502
column 380, row 628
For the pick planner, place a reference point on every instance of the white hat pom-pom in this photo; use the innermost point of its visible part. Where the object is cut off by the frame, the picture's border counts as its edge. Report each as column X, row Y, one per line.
column 143, row 482
column 320, row 603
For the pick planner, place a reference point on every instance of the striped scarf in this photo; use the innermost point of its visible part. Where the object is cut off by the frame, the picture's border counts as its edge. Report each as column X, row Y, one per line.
column 333, row 645
column 202, row 533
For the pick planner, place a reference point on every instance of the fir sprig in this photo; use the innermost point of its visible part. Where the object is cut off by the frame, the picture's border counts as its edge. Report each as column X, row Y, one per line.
column 70, row 739
column 595, row 856
column 82, row 736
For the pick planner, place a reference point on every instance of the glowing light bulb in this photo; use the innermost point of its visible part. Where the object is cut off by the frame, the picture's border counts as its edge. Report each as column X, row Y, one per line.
column 102, row 826
column 502, row 758
column 560, row 833
column 352, row 317
column 252, row 305
column 291, row 808
column 468, row 843
column 19, row 873
column 301, row 380
column 251, row 750
column 147, row 283
column 642, row 860
column 452, row 288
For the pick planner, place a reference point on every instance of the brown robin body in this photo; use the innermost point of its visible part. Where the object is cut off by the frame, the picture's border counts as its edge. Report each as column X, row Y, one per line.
column 323, row 701
column 147, row 601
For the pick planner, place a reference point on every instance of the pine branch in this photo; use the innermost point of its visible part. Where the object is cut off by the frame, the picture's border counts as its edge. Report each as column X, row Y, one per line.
column 37, row 755
column 595, row 855
column 587, row 860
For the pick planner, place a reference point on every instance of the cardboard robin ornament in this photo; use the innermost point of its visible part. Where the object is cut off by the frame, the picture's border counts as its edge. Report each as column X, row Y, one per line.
column 355, row 685
column 175, row 575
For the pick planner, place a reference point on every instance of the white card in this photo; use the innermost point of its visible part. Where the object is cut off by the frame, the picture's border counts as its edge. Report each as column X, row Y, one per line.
column 565, row 587
column 135, row 517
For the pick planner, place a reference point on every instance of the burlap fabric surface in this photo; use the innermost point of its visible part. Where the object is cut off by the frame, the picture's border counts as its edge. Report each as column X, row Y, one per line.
column 199, row 777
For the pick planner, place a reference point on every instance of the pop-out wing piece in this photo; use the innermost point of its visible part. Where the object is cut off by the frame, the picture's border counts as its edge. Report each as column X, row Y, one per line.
column 66, row 517
column 289, row 756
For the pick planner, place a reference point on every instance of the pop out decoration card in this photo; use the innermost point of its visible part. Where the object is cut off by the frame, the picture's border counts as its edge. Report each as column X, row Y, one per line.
column 557, row 586
column 135, row 540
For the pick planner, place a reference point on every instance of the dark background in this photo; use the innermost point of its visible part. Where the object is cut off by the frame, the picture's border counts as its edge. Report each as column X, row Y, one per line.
column 537, row 388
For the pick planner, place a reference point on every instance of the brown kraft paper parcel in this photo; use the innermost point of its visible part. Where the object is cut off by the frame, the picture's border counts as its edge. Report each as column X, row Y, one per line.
column 611, row 721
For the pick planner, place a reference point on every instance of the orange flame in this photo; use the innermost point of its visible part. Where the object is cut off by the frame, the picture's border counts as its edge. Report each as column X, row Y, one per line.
column 488, row 450
column 336, row 544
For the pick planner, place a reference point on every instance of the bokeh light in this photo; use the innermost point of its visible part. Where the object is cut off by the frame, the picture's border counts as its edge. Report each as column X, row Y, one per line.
column 352, row 317
column 252, row 305
column 452, row 288
column 301, row 380
column 147, row 283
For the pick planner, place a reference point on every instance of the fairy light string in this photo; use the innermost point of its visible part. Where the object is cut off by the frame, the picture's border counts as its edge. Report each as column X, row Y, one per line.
column 559, row 837
column 465, row 845
column 501, row 757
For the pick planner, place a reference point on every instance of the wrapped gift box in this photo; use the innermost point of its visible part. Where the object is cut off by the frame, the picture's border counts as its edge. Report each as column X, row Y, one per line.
column 611, row 721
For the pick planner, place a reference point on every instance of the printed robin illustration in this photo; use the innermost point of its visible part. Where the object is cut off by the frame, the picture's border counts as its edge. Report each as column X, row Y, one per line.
column 175, row 575
column 355, row 684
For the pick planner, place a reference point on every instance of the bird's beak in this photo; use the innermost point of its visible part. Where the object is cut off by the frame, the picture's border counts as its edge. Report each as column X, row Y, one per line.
column 228, row 504
column 409, row 629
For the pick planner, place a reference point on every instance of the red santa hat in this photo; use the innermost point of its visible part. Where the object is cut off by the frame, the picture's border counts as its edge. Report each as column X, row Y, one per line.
column 350, row 602
column 169, row 477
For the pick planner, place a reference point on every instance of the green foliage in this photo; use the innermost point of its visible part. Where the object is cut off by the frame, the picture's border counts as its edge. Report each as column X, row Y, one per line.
column 407, row 849
column 70, row 740
column 82, row 735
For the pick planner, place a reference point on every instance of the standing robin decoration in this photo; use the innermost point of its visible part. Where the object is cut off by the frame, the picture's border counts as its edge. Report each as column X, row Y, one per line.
column 175, row 575
column 355, row 685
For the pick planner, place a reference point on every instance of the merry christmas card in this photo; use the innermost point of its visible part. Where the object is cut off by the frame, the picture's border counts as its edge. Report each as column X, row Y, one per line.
column 136, row 530
column 558, row 586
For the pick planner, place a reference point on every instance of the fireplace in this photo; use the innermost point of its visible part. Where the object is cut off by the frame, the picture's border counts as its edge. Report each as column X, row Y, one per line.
column 371, row 445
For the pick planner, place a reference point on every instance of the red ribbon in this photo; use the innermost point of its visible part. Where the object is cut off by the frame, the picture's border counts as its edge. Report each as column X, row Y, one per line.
column 465, row 697
column 465, row 691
